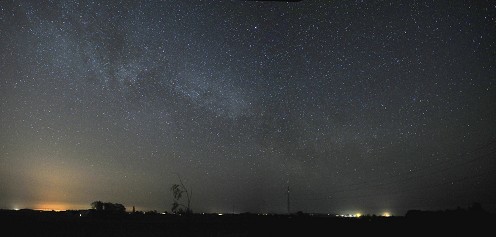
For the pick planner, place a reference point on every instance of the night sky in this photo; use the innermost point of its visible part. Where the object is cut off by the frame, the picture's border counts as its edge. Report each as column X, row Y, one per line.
column 358, row 106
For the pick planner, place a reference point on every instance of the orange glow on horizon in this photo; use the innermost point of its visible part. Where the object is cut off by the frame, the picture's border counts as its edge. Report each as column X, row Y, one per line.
column 59, row 206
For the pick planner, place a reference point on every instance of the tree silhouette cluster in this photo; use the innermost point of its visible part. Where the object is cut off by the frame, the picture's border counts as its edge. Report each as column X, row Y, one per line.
column 475, row 211
column 108, row 207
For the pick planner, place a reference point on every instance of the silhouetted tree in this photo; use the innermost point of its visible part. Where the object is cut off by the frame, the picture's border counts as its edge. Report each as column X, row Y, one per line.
column 113, row 207
column 97, row 205
column 108, row 207
column 177, row 191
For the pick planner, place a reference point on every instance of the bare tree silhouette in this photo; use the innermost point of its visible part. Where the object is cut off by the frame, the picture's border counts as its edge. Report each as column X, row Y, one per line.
column 177, row 191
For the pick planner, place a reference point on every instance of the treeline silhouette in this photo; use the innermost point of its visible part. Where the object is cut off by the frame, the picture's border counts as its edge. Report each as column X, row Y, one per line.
column 473, row 212
column 108, row 207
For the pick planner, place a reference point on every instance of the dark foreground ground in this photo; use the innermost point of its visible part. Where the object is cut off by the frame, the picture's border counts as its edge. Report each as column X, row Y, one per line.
column 34, row 223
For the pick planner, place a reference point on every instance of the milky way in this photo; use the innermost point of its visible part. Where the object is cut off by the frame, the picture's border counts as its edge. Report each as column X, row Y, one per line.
column 358, row 106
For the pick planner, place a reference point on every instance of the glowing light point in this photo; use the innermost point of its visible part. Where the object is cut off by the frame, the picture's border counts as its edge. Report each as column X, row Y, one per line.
column 386, row 214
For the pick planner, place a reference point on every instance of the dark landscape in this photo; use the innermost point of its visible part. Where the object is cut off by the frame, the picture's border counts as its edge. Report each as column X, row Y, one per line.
column 92, row 223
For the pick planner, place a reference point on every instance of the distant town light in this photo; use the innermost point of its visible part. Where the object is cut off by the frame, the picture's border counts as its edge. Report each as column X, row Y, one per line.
column 386, row 214
column 220, row 214
column 358, row 215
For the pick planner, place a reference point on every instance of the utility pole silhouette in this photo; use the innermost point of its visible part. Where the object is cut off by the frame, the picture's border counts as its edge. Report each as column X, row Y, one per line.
column 289, row 204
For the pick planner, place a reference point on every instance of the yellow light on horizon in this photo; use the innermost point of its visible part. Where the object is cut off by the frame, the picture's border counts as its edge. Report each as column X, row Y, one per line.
column 386, row 214
column 358, row 215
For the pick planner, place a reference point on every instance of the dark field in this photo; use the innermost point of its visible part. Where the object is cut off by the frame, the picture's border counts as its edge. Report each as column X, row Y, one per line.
column 34, row 223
